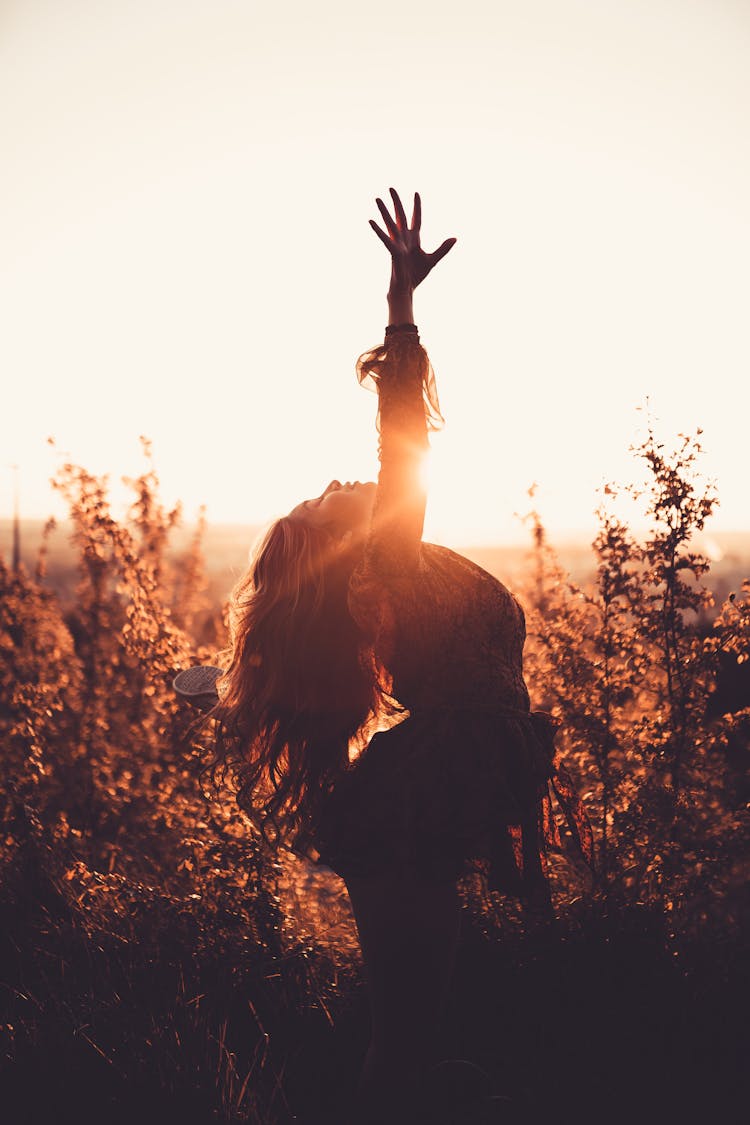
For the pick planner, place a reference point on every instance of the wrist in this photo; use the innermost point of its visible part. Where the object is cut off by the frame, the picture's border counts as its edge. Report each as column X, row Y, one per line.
column 400, row 307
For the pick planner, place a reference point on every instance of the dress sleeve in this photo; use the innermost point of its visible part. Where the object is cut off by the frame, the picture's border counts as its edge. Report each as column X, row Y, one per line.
column 401, row 373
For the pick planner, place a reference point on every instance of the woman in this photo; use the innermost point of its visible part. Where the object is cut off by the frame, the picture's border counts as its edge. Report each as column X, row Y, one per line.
column 347, row 620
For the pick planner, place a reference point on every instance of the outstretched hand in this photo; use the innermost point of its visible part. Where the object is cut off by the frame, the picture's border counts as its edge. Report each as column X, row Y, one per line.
column 410, row 264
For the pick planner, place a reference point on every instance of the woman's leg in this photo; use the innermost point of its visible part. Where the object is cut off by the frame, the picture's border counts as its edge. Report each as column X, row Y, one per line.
column 408, row 932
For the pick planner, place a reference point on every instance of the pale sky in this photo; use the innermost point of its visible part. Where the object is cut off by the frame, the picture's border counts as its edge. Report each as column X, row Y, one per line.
column 185, row 188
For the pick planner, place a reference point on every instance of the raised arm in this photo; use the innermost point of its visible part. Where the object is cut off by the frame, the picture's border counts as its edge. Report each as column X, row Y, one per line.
column 408, row 402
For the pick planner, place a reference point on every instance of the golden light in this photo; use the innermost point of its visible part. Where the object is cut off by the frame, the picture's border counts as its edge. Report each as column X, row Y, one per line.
column 425, row 471
column 153, row 224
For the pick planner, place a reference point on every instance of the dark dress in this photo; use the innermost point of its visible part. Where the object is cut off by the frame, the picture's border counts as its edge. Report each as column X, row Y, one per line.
column 466, row 777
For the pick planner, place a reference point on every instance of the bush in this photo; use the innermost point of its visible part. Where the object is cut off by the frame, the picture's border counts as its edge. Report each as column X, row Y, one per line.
column 161, row 961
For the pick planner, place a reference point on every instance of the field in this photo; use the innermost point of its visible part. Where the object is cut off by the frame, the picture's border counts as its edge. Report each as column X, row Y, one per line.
column 159, row 963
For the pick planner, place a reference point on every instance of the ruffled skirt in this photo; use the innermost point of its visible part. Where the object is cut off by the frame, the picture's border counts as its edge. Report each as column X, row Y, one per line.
column 447, row 790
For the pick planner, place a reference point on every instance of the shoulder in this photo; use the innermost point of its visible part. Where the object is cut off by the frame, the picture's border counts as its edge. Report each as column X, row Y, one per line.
column 474, row 581
column 437, row 557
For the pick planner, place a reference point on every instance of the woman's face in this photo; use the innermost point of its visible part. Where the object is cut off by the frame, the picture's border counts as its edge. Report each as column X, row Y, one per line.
column 340, row 508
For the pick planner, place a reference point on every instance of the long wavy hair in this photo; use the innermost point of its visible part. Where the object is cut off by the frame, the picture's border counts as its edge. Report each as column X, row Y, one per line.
column 301, row 683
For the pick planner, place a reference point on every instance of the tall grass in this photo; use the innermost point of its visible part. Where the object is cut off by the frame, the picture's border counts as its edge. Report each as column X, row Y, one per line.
column 157, row 960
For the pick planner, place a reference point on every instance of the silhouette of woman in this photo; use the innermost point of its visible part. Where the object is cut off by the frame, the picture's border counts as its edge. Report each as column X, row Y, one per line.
column 345, row 621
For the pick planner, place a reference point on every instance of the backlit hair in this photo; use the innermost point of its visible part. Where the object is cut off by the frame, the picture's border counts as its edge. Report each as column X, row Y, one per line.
column 301, row 683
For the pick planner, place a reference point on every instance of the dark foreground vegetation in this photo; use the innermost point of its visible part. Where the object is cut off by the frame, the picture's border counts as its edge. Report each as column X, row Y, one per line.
column 157, row 964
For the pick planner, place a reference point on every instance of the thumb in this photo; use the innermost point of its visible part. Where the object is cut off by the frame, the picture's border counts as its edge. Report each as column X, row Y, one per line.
column 441, row 251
